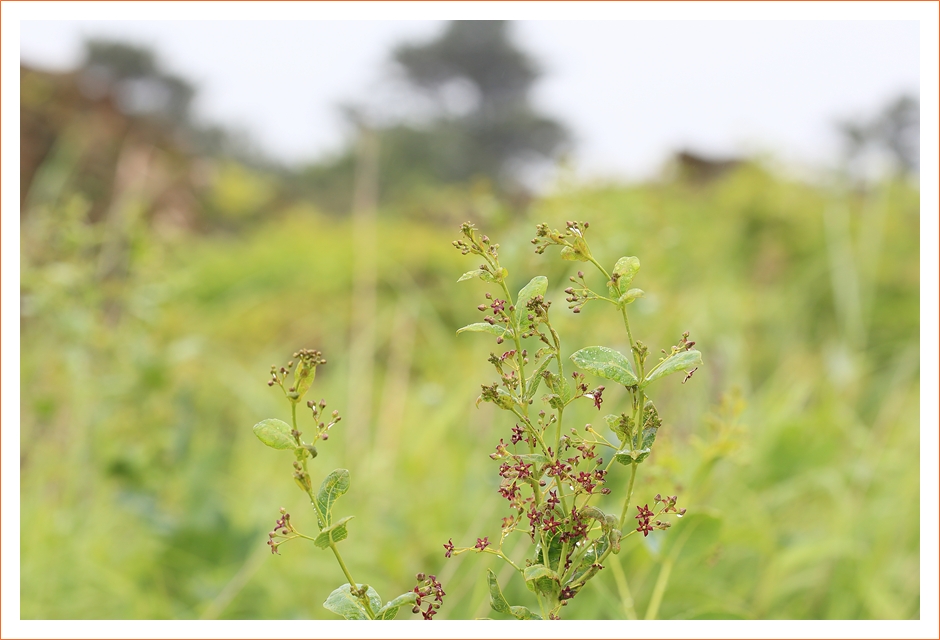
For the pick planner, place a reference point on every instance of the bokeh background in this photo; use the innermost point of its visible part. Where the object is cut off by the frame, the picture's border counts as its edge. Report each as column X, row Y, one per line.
column 170, row 253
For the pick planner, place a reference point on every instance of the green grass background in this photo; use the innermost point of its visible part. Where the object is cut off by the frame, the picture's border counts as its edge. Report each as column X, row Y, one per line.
column 795, row 448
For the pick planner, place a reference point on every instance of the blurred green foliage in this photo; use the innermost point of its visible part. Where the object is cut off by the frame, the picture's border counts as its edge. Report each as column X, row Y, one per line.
column 795, row 448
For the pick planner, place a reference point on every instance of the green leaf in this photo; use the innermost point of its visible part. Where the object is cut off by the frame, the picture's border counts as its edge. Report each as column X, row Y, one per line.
column 390, row 610
column 335, row 485
column 497, row 600
column 484, row 275
column 580, row 251
column 343, row 603
column 631, row 295
column 587, row 568
column 500, row 605
column 554, row 550
column 502, row 400
column 540, row 579
column 628, row 456
column 532, row 384
column 304, row 375
column 476, row 273
column 595, row 513
column 522, row 613
column 605, row 363
column 567, row 253
column 615, row 536
column 335, row 532
column 620, row 425
column 559, row 387
column 485, row 327
column 537, row 460
column 275, row 433
column 681, row 361
column 537, row 287
column 651, row 424
column 625, row 270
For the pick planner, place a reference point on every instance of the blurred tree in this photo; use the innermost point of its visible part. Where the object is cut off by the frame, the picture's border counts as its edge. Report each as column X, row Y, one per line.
column 899, row 130
column 132, row 77
column 893, row 135
column 475, row 55
column 480, row 83
column 480, row 125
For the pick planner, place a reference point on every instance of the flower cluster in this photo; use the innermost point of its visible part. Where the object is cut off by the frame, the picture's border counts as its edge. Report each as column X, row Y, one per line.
column 500, row 311
column 645, row 515
column 317, row 410
column 684, row 344
column 281, row 532
column 578, row 297
column 571, row 240
column 304, row 373
column 548, row 476
column 536, row 312
column 428, row 586
column 479, row 245
column 280, row 435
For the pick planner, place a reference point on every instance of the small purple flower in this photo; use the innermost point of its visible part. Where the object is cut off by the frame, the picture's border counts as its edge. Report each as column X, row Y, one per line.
column 597, row 396
column 550, row 524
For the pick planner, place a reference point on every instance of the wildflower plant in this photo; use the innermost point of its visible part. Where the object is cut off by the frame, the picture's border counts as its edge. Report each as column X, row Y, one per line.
column 549, row 475
column 352, row 600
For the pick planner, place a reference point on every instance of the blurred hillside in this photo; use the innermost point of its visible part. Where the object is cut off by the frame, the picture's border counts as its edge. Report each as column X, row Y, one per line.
column 163, row 273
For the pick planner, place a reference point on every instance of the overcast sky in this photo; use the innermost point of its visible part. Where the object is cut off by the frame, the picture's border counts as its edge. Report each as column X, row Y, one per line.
column 631, row 91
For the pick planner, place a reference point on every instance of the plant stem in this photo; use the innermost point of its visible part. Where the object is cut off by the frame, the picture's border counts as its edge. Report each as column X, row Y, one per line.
column 626, row 502
column 321, row 517
column 352, row 583
column 502, row 555
column 636, row 356
column 598, row 265
column 342, row 565
column 561, row 374
column 561, row 558
column 541, row 606
column 516, row 339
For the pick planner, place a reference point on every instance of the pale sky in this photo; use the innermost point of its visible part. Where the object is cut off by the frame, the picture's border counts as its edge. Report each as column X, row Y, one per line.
column 630, row 91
